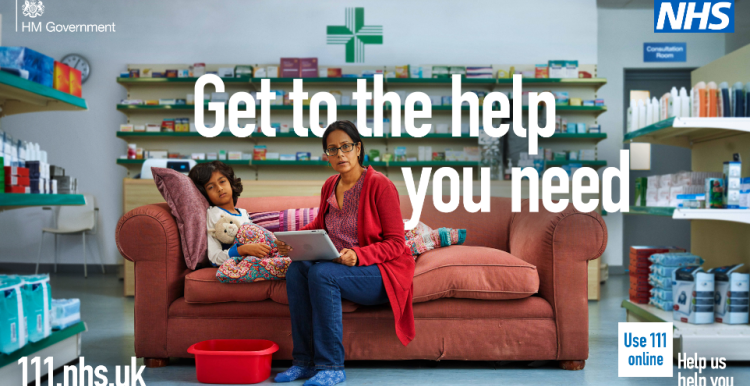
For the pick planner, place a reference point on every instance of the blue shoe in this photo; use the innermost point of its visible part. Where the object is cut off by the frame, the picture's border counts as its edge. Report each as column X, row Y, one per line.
column 327, row 378
column 294, row 373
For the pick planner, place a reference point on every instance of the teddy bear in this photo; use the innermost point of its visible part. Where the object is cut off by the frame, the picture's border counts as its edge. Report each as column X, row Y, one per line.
column 228, row 230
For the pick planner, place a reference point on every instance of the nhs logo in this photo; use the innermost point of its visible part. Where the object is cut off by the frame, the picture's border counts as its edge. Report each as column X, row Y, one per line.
column 693, row 16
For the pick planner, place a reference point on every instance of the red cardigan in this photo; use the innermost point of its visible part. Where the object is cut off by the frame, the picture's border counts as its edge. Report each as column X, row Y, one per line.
column 380, row 232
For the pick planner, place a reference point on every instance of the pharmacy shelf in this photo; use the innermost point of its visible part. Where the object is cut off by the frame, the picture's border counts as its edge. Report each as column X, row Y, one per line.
column 121, row 161
column 583, row 137
column 591, row 164
column 558, row 108
column 705, row 340
column 126, row 108
column 33, row 349
column 175, row 81
column 684, row 132
column 651, row 210
column 18, row 95
column 595, row 82
column 20, row 200
column 733, row 215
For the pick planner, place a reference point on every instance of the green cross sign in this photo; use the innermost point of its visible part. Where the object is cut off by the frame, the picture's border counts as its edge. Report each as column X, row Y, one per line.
column 355, row 34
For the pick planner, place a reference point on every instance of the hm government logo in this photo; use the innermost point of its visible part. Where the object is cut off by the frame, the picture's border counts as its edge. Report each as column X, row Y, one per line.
column 355, row 34
column 33, row 8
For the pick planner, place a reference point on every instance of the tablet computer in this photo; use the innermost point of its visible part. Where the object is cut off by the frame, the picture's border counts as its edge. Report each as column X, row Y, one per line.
column 309, row 245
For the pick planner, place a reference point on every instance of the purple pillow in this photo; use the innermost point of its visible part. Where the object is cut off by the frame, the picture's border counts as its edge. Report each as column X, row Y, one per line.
column 189, row 210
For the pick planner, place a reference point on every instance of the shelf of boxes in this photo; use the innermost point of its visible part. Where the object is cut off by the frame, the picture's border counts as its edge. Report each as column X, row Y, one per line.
column 685, row 132
column 64, row 346
column 18, row 95
column 121, row 161
column 652, row 210
column 705, row 340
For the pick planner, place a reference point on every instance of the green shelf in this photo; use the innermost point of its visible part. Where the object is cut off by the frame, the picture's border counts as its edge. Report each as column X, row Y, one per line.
column 596, row 164
column 123, row 107
column 555, row 81
column 319, row 163
column 153, row 81
column 22, row 200
column 582, row 136
column 24, row 96
column 32, row 348
column 440, row 81
column 652, row 210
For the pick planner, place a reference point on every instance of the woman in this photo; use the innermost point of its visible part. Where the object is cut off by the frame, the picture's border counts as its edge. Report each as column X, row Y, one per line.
column 360, row 210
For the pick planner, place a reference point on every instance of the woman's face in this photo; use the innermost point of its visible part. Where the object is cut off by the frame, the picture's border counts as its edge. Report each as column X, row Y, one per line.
column 343, row 162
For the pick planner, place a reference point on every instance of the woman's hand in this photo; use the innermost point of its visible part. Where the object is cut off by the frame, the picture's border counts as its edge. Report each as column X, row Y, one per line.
column 283, row 247
column 257, row 250
column 348, row 257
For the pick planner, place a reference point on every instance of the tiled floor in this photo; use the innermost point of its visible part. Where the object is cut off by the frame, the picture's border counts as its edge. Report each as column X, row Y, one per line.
column 109, row 342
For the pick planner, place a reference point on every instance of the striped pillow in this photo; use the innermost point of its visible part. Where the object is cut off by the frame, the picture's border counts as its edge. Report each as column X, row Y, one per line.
column 285, row 220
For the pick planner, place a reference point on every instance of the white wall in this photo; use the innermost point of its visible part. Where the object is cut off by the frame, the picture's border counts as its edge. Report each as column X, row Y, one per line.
column 622, row 33
column 235, row 31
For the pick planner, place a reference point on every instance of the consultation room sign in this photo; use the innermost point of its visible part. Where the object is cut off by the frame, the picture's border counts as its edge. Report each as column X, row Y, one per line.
column 664, row 52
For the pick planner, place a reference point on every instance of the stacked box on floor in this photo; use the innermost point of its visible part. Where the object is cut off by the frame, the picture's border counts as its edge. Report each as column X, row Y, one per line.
column 639, row 270
column 660, row 276
column 16, row 179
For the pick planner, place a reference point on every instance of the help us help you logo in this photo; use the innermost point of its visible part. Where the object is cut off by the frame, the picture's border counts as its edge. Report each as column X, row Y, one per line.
column 693, row 16
column 33, row 9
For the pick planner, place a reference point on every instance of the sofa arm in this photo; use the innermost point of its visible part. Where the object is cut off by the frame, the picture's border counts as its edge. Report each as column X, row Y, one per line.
column 560, row 246
column 148, row 236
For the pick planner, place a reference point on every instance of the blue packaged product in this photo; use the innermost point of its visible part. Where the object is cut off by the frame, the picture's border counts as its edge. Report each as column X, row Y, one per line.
column 13, row 332
column 660, row 281
column 39, row 66
column 37, row 305
column 662, row 270
column 665, row 305
column 693, row 295
column 676, row 259
column 65, row 313
column 661, row 293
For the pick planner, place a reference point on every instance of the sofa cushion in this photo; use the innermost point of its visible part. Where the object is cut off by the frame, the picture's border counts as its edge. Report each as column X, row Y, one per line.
column 473, row 273
column 201, row 286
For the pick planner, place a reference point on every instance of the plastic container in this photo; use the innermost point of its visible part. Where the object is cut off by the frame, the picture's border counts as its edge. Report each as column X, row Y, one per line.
column 233, row 361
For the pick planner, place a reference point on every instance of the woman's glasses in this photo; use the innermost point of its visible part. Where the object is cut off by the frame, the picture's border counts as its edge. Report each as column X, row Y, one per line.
column 345, row 148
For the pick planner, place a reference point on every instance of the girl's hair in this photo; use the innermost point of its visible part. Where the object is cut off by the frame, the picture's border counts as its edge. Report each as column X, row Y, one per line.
column 201, row 174
column 350, row 130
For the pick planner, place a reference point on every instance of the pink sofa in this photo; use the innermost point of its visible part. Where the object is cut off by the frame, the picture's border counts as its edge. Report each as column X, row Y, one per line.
column 516, row 290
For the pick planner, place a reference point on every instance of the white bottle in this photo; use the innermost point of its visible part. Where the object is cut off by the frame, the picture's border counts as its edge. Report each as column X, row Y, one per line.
column 641, row 114
column 684, row 103
column 693, row 105
column 630, row 116
column 655, row 114
column 674, row 103
column 649, row 113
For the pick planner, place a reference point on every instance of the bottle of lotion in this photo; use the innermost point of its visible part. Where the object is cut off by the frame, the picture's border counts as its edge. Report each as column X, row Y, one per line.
column 712, row 92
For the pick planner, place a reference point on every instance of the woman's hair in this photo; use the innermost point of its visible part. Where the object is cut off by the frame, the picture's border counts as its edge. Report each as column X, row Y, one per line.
column 201, row 174
column 350, row 130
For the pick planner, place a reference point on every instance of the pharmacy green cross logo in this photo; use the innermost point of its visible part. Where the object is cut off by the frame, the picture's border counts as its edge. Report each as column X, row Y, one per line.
column 355, row 34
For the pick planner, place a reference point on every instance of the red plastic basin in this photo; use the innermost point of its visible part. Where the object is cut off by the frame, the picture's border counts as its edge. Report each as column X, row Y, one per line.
column 233, row 361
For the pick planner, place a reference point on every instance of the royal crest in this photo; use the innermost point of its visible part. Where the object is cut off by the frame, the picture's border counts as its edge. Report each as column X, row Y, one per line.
column 33, row 8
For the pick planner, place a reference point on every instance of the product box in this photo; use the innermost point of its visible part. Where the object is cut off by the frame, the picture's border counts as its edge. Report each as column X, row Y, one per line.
column 576, row 101
column 595, row 129
column 561, row 98
column 39, row 66
column 287, row 157
column 572, row 128
column 170, row 73
column 308, row 67
column 714, row 193
column 303, row 156
column 126, row 127
column 226, row 72
column 234, row 155
column 290, row 68
column 731, row 175
column 693, row 295
column 272, row 72
column 732, row 297
column 259, row 153
column 243, row 71
column 334, row 72
column 62, row 77
column 541, row 71
column 440, row 72
column 75, row 82
column 557, row 69
column 402, row 71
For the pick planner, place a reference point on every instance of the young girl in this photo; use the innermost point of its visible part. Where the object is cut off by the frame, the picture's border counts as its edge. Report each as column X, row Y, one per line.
column 216, row 181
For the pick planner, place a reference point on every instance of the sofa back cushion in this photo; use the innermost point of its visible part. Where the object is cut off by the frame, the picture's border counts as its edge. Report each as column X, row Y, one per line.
column 473, row 273
column 486, row 229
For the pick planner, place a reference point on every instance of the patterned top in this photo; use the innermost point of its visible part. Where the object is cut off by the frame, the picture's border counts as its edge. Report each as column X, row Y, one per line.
column 341, row 223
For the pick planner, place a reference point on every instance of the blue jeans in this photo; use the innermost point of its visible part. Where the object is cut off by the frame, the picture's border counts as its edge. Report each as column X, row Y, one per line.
column 315, row 290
